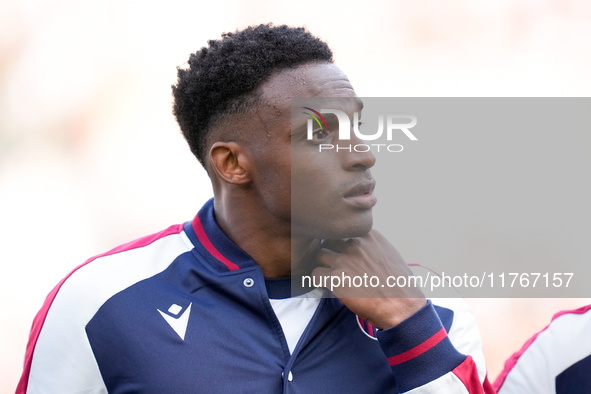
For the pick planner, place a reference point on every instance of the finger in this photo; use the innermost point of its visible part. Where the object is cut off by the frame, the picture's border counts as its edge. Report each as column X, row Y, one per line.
column 320, row 272
column 326, row 257
column 337, row 245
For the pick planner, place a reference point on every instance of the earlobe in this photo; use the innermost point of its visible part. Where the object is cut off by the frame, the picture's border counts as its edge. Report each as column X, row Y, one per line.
column 230, row 162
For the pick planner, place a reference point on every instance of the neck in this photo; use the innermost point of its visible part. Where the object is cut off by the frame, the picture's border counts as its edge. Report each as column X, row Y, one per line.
column 265, row 238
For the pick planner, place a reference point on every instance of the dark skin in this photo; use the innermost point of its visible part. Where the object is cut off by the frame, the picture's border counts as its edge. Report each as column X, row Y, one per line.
column 277, row 213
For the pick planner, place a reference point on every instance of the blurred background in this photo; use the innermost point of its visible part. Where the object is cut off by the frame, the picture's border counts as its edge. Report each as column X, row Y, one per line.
column 91, row 156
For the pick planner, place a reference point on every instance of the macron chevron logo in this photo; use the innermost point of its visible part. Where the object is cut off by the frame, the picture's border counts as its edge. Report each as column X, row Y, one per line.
column 178, row 324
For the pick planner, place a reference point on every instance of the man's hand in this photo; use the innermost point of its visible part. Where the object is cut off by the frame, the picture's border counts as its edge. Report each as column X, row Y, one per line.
column 371, row 255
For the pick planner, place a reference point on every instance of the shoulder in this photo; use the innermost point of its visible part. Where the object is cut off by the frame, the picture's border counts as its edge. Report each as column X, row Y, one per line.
column 556, row 354
column 90, row 284
column 58, row 331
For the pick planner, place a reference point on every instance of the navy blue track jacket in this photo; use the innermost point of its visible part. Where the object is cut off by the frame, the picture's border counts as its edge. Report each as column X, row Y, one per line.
column 187, row 311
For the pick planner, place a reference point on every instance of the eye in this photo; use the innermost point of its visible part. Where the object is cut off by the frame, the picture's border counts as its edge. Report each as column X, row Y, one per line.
column 320, row 135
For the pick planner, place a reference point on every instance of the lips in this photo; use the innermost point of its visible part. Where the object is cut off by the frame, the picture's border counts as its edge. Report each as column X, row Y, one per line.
column 361, row 196
column 361, row 189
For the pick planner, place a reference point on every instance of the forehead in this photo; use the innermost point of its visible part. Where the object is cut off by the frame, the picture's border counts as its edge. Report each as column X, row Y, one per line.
column 307, row 80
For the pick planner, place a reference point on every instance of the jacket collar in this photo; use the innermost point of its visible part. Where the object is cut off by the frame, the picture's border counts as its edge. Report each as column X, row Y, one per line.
column 213, row 245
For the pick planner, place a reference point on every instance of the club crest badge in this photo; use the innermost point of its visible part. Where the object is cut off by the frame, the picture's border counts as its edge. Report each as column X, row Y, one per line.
column 367, row 328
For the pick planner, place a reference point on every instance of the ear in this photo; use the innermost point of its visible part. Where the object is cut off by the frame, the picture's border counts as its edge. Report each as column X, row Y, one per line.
column 230, row 162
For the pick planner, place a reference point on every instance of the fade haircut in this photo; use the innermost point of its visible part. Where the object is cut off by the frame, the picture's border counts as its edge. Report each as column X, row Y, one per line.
column 222, row 78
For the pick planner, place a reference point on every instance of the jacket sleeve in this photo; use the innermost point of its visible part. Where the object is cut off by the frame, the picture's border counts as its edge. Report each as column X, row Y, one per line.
column 426, row 358
column 59, row 358
column 556, row 360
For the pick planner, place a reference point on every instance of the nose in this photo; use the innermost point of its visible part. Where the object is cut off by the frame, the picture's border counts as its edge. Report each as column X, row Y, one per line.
column 359, row 157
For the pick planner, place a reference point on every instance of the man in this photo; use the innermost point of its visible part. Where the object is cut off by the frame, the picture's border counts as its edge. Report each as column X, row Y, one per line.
column 206, row 306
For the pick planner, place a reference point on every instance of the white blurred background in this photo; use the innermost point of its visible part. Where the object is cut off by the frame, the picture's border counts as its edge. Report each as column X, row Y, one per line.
column 91, row 157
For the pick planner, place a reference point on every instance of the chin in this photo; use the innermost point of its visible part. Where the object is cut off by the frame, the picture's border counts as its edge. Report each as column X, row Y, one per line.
column 354, row 227
column 358, row 229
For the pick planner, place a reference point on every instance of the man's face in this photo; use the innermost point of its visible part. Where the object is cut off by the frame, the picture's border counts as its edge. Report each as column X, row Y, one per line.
column 326, row 194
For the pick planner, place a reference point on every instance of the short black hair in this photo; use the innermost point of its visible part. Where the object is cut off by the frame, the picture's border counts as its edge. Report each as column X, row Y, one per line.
column 222, row 78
